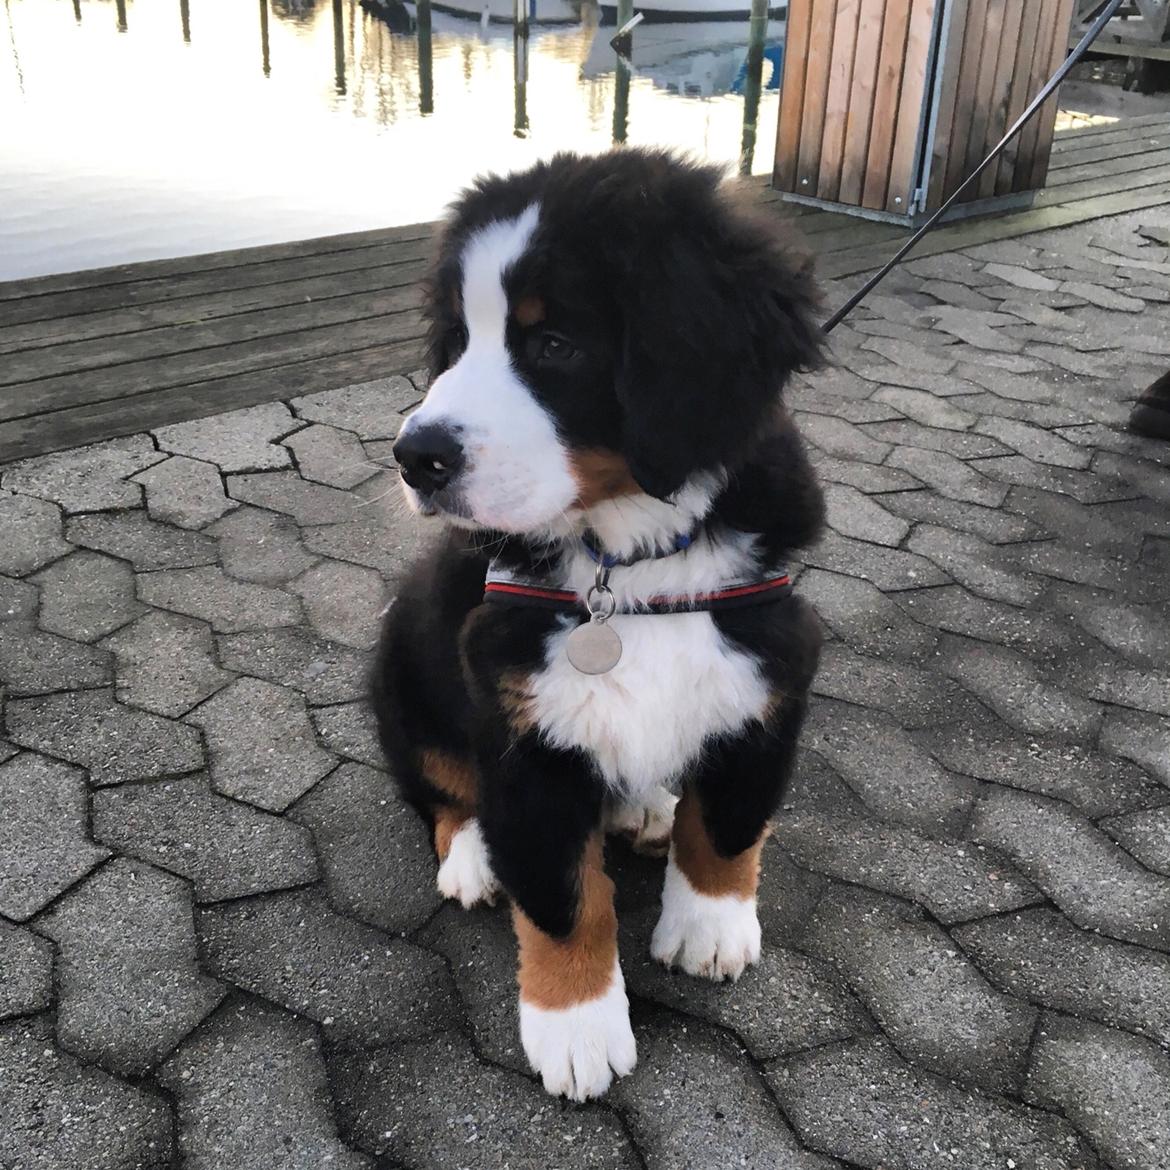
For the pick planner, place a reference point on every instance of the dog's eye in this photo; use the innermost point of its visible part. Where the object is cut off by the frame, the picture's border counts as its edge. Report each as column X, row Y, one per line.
column 554, row 348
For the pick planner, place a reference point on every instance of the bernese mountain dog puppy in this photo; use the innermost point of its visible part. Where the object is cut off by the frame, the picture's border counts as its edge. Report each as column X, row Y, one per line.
column 607, row 624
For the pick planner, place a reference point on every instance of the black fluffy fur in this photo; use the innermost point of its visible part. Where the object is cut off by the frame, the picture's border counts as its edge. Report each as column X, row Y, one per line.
column 690, row 314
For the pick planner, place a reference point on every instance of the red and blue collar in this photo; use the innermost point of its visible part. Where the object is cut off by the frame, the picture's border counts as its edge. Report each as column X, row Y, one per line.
column 509, row 586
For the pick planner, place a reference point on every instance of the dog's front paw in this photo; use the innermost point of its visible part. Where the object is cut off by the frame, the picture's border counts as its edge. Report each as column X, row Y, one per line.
column 577, row 1050
column 646, row 822
column 466, row 873
column 713, row 937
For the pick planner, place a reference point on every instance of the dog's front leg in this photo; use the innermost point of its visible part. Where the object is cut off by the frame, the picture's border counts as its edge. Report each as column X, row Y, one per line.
column 709, row 925
column 542, row 816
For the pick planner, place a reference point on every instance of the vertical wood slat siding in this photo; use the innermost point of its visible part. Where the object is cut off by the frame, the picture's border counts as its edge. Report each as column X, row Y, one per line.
column 820, row 55
column 838, row 99
column 952, row 56
column 1019, row 96
column 895, row 29
column 1046, row 118
column 851, row 126
column 861, row 106
column 964, row 84
column 997, row 122
column 904, row 161
column 796, row 49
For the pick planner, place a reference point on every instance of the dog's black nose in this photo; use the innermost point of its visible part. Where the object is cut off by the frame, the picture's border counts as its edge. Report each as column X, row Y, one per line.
column 429, row 457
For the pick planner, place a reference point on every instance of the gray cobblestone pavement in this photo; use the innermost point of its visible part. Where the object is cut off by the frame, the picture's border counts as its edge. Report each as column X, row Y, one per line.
column 221, row 947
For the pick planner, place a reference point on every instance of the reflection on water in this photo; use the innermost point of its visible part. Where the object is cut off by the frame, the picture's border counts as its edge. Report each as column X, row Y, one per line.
column 168, row 127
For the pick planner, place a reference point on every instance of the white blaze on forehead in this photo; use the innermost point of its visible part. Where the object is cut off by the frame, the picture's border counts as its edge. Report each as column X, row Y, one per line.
column 516, row 474
column 486, row 259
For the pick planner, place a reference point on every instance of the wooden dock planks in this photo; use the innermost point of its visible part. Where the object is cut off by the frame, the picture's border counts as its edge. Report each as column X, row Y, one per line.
column 92, row 355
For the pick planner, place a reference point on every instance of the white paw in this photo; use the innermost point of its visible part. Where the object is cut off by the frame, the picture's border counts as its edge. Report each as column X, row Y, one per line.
column 646, row 821
column 713, row 937
column 578, row 1050
column 466, row 873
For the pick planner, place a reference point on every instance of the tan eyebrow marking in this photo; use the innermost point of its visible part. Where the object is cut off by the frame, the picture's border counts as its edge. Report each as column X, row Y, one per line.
column 529, row 311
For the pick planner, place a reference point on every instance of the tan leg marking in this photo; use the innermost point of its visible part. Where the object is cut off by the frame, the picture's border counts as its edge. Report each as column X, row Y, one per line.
column 456, row 779
column 707, row 871
column 558, row 973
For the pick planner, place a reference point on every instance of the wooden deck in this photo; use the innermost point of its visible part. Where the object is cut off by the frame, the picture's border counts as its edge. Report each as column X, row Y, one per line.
column 111, row 351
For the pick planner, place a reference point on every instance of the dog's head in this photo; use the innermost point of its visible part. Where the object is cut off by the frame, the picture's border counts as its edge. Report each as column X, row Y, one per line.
column 599, row 327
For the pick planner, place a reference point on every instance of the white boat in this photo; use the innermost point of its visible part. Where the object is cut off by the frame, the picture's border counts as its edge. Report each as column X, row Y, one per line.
column 694, row 59
column 497, row 11
column 678, row 11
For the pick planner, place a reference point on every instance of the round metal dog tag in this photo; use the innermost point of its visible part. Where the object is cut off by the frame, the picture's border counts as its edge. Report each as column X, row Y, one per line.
column 594, row 648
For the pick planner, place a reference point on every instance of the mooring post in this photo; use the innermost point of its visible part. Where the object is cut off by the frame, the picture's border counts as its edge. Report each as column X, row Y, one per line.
column 520, row 76
column 621, row 88
column 266, row 65
column 426, row 85
column 121, row 7
column 185, row 17
column 338, row 47
column 520, row 16
column 753, row 82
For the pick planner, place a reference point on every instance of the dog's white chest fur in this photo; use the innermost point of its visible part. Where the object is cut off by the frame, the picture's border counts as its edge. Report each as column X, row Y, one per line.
column 679, row 682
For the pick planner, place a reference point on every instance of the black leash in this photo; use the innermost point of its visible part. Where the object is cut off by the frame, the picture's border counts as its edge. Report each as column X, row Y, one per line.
column 1106, row 11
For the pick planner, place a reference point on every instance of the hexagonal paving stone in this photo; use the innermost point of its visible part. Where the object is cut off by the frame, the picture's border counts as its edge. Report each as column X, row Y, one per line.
column 239, row 440
column 376, row 850
column 30, row 534
column 864, row 1103
column 114, row 742
column 261, row 1069
column 817, row 1010
column 87, row 595
column 1096, row 883
column 186, row 492
column 1048, row 765
column 285, row 491
column 18, row 600
column 365, row 989
column 695, row 1100
column 327, row 455
column 44, row 844
column 370, row 409
column 1040, row 956
column 210, row 594
column 130, row 986
column 166, row 663
column 262, row 745
column 86, row 479
column 384, row 540
column 145, row 543
column 432, row 1103
column 27, row 962
column 60, row 1114
column 227, row 849
column 853, row 514
column 33, row 662
column 255, row 545
column 954, row 881
column 343, row 602
column 324, row 672
column 1114, row 1087
column 929, row 999
column 349, row 729
column 880, row 762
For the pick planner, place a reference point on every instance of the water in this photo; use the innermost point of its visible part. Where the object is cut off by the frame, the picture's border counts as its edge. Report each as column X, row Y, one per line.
column 131, row 131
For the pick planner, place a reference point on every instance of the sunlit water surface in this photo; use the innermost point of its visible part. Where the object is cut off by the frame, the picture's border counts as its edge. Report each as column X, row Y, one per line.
column 130, row 131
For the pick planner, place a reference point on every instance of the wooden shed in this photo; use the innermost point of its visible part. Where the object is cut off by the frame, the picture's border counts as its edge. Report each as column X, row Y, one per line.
column 887, row 105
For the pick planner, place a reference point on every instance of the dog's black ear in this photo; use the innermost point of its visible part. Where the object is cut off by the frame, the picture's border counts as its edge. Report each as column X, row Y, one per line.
column 717, row 313
column 441, row 309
